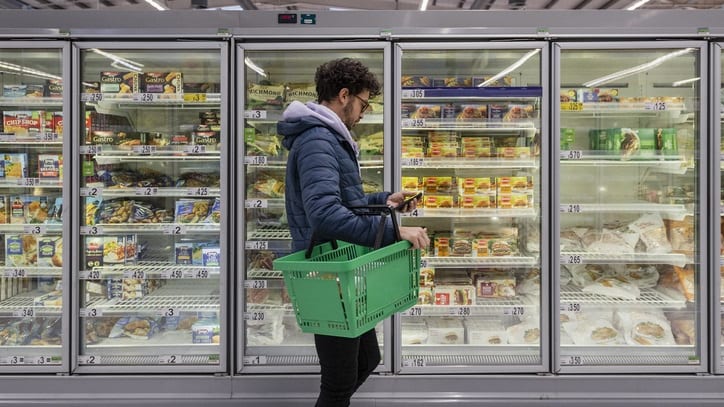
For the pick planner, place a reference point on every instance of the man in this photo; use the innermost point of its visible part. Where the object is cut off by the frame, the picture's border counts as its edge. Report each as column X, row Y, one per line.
column 322, row 181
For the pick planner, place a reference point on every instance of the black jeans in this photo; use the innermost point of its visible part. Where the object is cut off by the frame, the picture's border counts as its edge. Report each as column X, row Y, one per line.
column 346, row 363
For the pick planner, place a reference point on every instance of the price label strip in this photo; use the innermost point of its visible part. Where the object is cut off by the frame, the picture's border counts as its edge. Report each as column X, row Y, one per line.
column 91, row 97
column 571, row 208
column 168, row 312
column 29, row 182
column 571, row 155
column 571, row 361
column 255, row 360
column 414, row 123
column 24, row 313
column 659, row 106
column 147, row 191
column 91, row 149
column 255, row 160
column 91, row 230
column 144, row 149
column 13, row 360
column 571, row 307
column 35, row 229
column 412, row 162
column 89, row 275
column 135, row 274
column 254, row 316
column 413, row 93
column 572, row 106
column 90, row 312
column 91, row 191
column 199, row 274
column 416, row 362
column 144, row 97
column 89, row 360
column 256, row 203
column 257, row 245
column 194, row 149
column 175, row 229
column 16, row 273
column 413, row 312
column 460, row 311
column 255, row 114
column 173, row 274
column 572, row 259
column 514, row 311
column 169, row 359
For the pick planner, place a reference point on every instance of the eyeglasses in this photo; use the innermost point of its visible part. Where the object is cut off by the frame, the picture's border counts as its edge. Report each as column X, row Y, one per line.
column 365, row 103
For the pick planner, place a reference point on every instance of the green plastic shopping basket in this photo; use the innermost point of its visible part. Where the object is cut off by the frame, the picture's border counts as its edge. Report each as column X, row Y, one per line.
column 345, row 291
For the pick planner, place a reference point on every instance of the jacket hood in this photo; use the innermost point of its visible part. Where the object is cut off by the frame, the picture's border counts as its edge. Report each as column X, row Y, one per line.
column 299, row 117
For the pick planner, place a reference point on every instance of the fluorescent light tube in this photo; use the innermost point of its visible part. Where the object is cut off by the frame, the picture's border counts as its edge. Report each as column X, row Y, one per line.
column 685, row 81
column 156, row 5
column 254, row 67
column 636, row 69
column 423, row 5
column 637, row 4
column 511, row 68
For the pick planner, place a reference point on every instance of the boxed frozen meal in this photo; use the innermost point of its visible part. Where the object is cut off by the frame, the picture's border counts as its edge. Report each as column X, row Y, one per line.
column 17, row 209
column 21, row 250
column 53, row 88
column 14, row 165
column 93, row 252
column 205, row 331
column 454, row 295
column 191, row 210
column 25, row 124
column 53, row 125
column 426, row 296
column 426, row 112
column 49, row 165
column 50, row 251
column 162, row 82
column 302, row 92
column 36, row 208
column 119, row 82
column 211, row 256
column 184, row 253
column 484, row 332
column 414, row 331
column 14, row 91
column 445, row 331
column 496, row 284
column 266, row 96
column 416, row 81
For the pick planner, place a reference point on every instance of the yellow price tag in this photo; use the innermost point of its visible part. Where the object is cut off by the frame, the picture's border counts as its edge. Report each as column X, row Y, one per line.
column 194, row 97
column 572, row 106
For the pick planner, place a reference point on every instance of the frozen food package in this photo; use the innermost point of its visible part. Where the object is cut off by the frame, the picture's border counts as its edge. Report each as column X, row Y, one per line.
column 414, row 331
column 205, row 330
column 135, row 328
column 644, row 276
column 530, row 284
column 682, row 235
column 645, row 328
column 524, row 333
column 608, row 241
column 496, row 284
column 454, row 295
column 302, row 92
column 593, row 332
column 265, row 96
column 426, row 296
column 684, row 331
column 585, row 274
column 652, row 232
column 484, row 332
column 687, row 281
column 445, row 331
column 613, row 286
column 266, row 331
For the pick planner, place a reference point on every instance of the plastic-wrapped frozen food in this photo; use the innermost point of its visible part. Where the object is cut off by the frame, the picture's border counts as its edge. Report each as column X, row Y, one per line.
column 592, row 332
column 613, row 286
column 645, row 328
column 652, row 232
column 644, row 276
column 414, row 331
column 687, row 281
column 608, row 241
column 445, row 330
column 485, row 332
column 525, row 333
column 570, row 240
column 529, row 284
column 268, row 330
column 135, row 327
column 585, row 274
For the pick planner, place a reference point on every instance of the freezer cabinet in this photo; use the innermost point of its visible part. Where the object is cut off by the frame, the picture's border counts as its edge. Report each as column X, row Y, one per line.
column 631, row 201
column 152, row 205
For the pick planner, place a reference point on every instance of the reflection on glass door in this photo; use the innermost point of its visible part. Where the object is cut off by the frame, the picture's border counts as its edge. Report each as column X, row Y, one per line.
column 273, row 77
column 33, row 330
column 630, row 202
column 470, row 122
column 151, row 246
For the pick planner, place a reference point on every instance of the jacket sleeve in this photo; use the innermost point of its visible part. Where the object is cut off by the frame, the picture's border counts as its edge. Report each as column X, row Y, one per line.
column 377, row 198
column 319, row 174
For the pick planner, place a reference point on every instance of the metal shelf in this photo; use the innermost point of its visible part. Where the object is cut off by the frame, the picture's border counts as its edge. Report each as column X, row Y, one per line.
column 51, row 141
column 674, row 259
column 30, row 272
column 422, row 356
column 269, row 233
column 627, row 355
column 31, row 101
column 584, row 108
column 170, row 297
column 178, row 342
column 471, row 213
column 261, row 116
column 464, row 163
column 33, row 183
column 31, row 228
column 150, row 192
column 674, row 164
column 156, row 270
column 21, row 306
column 466, row 262
column 155, row 228
column 507, row 93
column 468, row 125
column 677, row 212
column 649, row 297
column 511, row 306
column 150, row 100
column 262, row 274
column 103, row 359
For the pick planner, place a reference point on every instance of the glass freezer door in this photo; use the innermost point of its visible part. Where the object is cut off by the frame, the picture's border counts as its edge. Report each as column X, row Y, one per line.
column 33, row 287
column 270, row 78
column 151, row 206
column 471, row 119
column 631, row 199
column 717, row 254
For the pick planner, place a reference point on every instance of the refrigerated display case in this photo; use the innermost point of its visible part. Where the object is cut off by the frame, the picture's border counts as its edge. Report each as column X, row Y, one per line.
column 716, row 257
column 151, row 201
column 270, row 77
column 33, row 186
column 631, row 199
column 471, row 119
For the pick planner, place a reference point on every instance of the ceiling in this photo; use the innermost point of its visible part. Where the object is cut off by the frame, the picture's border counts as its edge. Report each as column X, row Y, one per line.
column 270, row 5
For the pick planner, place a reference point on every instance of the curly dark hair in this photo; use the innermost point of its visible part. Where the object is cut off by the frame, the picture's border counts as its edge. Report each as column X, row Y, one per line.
column 348, row 73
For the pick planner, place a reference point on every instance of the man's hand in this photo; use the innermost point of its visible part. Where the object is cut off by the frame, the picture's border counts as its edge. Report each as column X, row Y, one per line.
column 415, row 235
column 398, row 198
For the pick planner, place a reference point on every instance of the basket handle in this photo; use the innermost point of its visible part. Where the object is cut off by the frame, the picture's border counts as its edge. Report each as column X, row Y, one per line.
column 369, row 210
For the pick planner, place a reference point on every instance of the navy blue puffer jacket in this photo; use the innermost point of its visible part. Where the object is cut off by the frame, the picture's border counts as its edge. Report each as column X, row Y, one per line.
column 323, row 180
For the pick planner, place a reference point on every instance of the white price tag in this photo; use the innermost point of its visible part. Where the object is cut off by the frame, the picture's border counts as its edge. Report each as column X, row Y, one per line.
column 50, row 137
column 413, row 93
column 514, row 311
column 571, row 361
column 254, row 316
column 144, row 149
column 90, row 312
column 255, row 284
column 256, row 203
column 424, row 263
column 168, row 312
column 91, row 97
column 144, row 97
column 194, row 149
column 35, row 229
column 417, row 362
column 412, row 162
column 460, row 311
column 571, row 307
column 169, row 359
column 12, row 360
column 29, row 182
column 89, row 275
column 91, row 191
column 24, row 313
column 8, row 137
column 137, row 274
column 41, row 360
column 572, row 155
column 91, row 149
column 146, row 191
column 659, row 106
column 413, row 312
column 173, row 274
column 89, row 360
column 200, row 191
column 413, row 123
column 255, row 360
column 255, row 114
column 255, row 160
column 415, row 213
column 91, row 230
column 200, row 274
column 16, row 273
column 572, row 259
column 257, row 245
column 571, row 208
column 175, row 229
